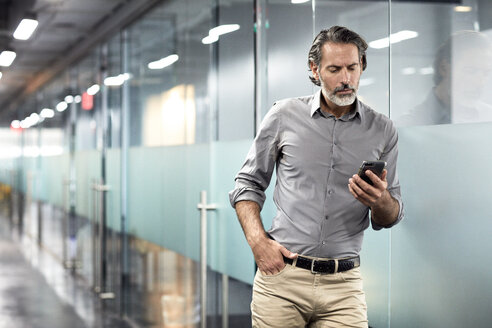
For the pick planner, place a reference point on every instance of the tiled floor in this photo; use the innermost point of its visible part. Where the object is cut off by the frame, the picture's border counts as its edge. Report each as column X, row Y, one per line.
column 35, row 291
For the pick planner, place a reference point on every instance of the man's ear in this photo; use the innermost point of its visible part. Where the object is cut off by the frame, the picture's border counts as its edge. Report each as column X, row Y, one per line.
column 314, row 69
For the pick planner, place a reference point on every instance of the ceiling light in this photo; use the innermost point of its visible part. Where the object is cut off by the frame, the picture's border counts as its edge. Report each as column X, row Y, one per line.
column 299, row 1
column 426, row 70
column 47, row 113
column 393, row 38
column 224, row 29
column 61, row 106
column 7, row 57
column 116, row 80
column 408, row 71
column 15, row 124
column 463, row 9
column 1, row 75
column 69, row 99
column 213, row 34
column 77, row 99
column 163, row 62
column 367, row 81
column 34, row 117
column 210, row 39
column 93, row 89
column 25, row 29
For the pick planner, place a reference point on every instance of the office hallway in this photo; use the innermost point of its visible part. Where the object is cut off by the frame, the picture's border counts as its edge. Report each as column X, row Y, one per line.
column 36, row 292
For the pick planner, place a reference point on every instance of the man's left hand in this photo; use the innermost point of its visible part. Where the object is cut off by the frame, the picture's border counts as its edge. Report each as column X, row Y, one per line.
column 365, row 193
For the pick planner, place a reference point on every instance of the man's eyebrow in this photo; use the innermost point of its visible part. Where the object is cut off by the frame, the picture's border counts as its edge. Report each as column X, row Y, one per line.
column 336, row 66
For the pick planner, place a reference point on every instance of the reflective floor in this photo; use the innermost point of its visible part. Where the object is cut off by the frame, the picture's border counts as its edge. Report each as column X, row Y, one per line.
column 40, row 286
column 35, row 291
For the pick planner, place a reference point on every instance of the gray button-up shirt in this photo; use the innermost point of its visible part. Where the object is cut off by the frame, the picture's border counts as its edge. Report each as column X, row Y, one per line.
column 315, row 154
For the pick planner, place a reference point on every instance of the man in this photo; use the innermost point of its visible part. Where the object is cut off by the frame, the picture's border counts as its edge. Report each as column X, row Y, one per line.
column 308, row 262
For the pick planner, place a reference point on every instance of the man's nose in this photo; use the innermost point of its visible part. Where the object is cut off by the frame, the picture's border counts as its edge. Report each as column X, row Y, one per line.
column 345, row 77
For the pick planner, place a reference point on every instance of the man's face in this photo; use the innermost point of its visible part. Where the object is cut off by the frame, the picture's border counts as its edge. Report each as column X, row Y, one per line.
column 339, row 72
column 470, row 71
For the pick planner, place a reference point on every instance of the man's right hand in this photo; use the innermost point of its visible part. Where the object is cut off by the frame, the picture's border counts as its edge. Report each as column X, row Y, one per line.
column 267, row 252
column 269, row 256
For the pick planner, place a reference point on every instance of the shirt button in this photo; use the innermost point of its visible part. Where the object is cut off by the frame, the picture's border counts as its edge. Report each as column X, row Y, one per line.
column 324, row 243
column 330, row 191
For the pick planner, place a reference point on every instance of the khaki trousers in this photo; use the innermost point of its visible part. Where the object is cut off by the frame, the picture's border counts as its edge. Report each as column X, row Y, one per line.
column 297, row 298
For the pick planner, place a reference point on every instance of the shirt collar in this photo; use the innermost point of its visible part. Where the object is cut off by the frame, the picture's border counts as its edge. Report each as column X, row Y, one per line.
column 316, row 107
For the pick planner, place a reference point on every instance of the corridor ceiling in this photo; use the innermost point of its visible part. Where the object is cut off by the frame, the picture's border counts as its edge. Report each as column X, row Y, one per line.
column 67, row 30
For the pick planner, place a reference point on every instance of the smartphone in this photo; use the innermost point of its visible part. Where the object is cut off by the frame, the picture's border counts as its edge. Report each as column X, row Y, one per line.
column 376, row 167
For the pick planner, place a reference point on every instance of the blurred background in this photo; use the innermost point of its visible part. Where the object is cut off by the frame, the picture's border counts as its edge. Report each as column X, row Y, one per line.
column 121, row 119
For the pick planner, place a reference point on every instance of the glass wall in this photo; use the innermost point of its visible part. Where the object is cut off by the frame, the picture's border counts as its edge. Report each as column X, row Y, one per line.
column 174, row 111
column 439, row 98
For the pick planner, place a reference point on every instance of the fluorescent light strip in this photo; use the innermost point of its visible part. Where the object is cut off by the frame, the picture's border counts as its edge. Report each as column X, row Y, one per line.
column 1, row 75
column 47, row 113
column 394, row 38
column 15, row 124
column 210, row 39
column 463, row 9
column 408, row 71
column 213, row 34
column 163, row 62
column 61, row 106
column 116, row 80
column 93, row 89
column 7, row 57
column 299, row 1
column 25, row 29
column 223, row 29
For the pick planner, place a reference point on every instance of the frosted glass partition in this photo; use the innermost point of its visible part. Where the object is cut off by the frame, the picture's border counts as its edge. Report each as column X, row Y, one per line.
column 88, row 171
column 441, row 262
column 165, row 185
column 53, row 172
column 231, row 252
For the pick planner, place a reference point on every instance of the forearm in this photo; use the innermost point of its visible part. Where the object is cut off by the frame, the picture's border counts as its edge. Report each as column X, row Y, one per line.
column 248, row 213
column 385, row 211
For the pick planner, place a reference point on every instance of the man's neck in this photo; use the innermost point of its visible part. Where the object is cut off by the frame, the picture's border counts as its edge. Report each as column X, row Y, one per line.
column 338, row 111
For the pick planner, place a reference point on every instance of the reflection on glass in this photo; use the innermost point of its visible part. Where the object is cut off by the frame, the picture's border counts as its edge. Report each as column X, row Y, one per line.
column 170, row 117
column 461, row 69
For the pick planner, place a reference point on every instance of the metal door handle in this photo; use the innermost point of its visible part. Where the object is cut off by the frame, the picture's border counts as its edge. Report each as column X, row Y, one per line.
column 203, row 207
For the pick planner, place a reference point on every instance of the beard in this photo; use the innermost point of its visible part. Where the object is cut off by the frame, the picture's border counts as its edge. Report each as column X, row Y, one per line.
column 340, row 100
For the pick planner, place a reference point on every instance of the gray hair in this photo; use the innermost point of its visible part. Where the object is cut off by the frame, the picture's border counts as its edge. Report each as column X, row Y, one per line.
column 336, row 34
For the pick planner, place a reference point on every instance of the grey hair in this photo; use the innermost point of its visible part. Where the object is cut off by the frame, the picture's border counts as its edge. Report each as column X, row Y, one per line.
column 335, row 34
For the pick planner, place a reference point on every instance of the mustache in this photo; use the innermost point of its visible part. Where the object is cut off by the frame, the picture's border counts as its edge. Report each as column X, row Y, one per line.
column 344, row 87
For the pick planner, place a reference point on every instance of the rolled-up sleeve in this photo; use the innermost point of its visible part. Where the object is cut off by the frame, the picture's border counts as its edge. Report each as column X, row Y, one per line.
column 255, row 175
column 390, row 156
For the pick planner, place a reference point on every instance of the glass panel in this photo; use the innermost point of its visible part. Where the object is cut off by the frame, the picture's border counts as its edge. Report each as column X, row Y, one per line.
column 113, row 86
column 289, row 34
column 440, row 77
column 170, row 127
column 87, row 165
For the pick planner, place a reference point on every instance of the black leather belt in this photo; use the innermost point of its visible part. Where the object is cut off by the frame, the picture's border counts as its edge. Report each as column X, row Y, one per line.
column 325, row 266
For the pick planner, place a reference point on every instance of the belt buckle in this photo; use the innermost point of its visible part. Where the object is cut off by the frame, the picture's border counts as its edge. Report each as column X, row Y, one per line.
column 312, row 267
